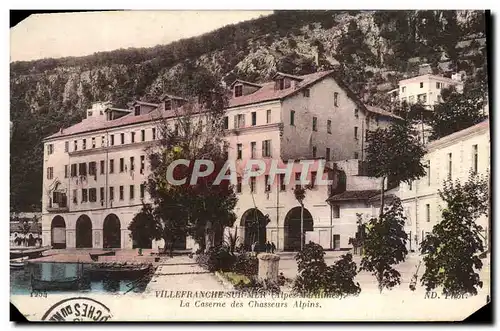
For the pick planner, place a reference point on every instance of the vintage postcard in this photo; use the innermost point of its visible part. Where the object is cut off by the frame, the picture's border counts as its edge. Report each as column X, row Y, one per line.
column 250, row 165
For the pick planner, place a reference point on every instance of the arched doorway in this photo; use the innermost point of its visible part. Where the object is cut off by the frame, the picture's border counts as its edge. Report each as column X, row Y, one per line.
column 111, row 232
column 83, row 232
column 292, row 228
column 254, row 225
column 58, row 233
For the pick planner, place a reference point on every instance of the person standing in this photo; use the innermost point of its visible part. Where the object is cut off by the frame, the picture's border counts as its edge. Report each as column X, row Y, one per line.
column 273, row 247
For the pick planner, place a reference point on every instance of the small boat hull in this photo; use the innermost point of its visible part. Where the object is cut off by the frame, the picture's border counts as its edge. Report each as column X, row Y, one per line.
column 55, row 285
column 95, row 256
column 18, row 263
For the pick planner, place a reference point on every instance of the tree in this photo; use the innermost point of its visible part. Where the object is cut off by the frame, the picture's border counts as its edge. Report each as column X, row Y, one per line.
column 195, row 132
column 394, row 153
column 300, row 194
column 385, row 245
column 458, row 111
column 451, row 249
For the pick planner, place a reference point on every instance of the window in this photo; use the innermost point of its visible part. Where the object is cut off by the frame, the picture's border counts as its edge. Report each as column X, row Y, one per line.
column 112, row 143
column 238, row 91
column 132, row 163
column 297, row 180
column 428, row 173
column 122, row 138
column 111, row 193
column 292, row 117
column 75, row 197
column 121, row 192
column 142, row 189
column 122, row 164
column 252, row 185
column 403, row 89
column 226, row 122
column 143, row 135
column 239, row 151
column 336, row 211
column 356, row 155
column 66, row 170
column 142, row 164
column 329, row 126
column 102, row 141
column 137, row 110
column 428, row 212
column 356, row 132
column 306, row 93
column 438, row 85
column 268, row 116
column 267, row 185
column 282, row 182
column 474, row 158
column 254, row 118
column 50, row 173
column 315, row 123
column 153, row 133
column 410, row 186
column 93, row 142
column 66, row 146
column 132, row 137
column 50, row 149
column 131, row 192
column 102, row 167
column 92, row 168
column 327, row 156
column 266, row 148
column 377, row 119
column 313, row 178
column 75, row 145
column 85, row 196
column 239, row 121
column 421, row 84
column 314, row 150
column 450, row 165
column 111, row 166
column 253, row 149
column 102, row 194
column 336, row 99
column 356, row 112
column 82, row 169
column 92, row 194
column 238, row 185
column 168, row 104
column 73, row 170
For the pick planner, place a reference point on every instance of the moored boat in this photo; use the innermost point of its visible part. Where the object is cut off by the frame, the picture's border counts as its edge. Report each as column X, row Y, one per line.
column 68, row 284
column 18, row 263
column 29, row 252
column 95, row 256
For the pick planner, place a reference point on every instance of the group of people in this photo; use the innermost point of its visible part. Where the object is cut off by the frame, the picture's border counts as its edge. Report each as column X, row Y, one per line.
column 268, row 247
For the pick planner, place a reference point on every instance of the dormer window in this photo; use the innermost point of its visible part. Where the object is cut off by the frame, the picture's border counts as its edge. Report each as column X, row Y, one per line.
column 238, row 91
column 168, row 104
column 137, row 110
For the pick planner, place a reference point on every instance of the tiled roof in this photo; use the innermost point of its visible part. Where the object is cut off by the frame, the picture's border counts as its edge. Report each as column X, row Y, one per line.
column 267, row 92
column 354, row 195
column 380, row 111
column 245, row 82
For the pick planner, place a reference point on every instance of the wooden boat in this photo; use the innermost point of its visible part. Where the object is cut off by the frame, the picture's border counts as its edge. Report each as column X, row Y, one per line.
column 68, row 284
column 95, row 256
column 118, row 272
column 18, row 263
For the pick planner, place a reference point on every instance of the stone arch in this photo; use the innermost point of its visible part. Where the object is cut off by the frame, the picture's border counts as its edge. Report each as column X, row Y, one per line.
column 253, row 222
column 58, row 232
column 111, row 230
column 292, row 228
column 83, row 232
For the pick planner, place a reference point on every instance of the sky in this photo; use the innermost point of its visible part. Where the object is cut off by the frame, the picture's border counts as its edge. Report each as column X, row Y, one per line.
column 77, row 34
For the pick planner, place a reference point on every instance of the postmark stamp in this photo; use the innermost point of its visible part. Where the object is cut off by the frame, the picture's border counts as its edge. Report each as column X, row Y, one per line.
column 78, row 309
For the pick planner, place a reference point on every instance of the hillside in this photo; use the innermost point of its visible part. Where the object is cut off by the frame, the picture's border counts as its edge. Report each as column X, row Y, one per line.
column 373, row 50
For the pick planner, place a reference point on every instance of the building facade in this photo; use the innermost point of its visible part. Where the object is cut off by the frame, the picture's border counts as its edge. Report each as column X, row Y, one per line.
column 94, row 171
column 451, row 157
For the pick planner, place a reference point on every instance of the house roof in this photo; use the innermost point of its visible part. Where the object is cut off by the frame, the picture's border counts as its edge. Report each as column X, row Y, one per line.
column 268, row 92
column 245, row 82
column 287, row 75
column 353, row 195
column 145, row 103
column 380, row 111
column 171, row 96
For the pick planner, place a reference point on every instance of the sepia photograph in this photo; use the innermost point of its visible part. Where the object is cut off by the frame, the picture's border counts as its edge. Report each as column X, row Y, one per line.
column 279, row 165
